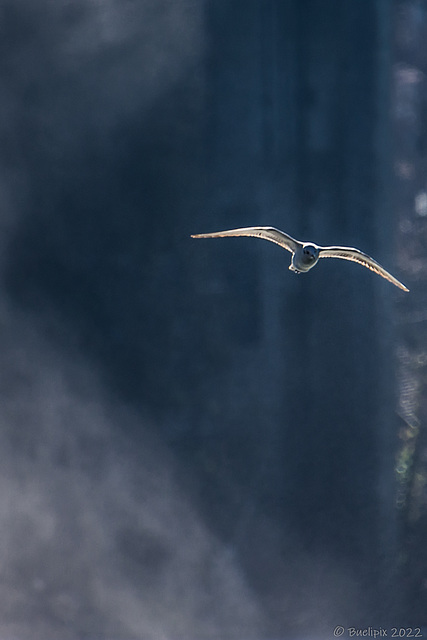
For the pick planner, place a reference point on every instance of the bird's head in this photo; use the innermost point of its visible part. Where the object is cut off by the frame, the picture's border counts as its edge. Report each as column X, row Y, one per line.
column 309, row 254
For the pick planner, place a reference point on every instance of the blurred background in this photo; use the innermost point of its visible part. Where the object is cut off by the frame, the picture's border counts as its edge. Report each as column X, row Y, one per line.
column 194, row 442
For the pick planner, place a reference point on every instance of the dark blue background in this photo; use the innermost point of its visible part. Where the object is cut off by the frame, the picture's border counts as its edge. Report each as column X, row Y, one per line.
column 196, row 442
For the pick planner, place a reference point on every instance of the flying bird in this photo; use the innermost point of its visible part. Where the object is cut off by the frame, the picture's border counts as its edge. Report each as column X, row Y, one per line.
column 306, row 254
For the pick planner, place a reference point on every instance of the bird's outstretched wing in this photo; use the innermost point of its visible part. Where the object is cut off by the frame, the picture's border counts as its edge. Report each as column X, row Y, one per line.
column 349, row 253
column 268, row 233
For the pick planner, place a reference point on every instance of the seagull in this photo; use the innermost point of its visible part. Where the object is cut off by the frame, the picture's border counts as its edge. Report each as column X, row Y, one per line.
column 306, row 254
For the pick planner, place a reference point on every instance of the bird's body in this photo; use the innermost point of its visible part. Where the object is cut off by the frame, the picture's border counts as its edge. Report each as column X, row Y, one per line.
column 305, row 255
column 304, row 258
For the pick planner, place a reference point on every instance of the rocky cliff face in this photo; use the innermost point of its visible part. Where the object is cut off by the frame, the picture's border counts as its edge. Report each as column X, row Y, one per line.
column 195, row 438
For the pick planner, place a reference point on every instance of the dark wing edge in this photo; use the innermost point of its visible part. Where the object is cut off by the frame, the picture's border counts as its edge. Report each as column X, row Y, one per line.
column 355, row 255
column 266, row 233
